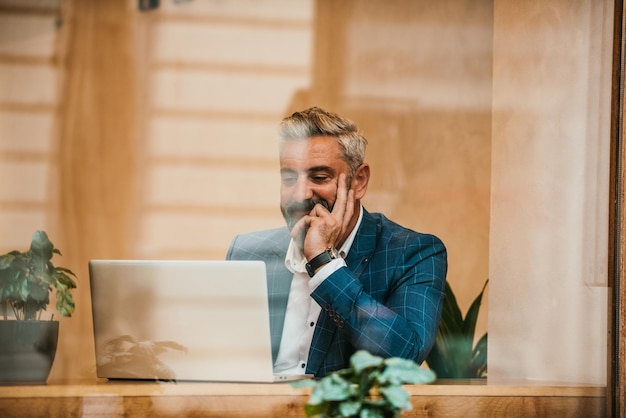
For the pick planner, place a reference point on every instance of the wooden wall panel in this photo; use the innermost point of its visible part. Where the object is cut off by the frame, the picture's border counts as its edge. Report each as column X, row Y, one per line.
column 28, row 102
column 97, row 156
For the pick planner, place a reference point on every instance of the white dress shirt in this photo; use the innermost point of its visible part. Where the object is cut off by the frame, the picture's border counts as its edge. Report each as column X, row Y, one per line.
column 302, row 311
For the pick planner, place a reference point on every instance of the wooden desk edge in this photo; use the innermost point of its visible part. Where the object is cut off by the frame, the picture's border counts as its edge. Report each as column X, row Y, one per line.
column 93, row 399
column 92, row 388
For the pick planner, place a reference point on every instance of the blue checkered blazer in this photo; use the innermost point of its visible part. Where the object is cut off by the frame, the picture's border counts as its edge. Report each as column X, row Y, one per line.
column 387, row 300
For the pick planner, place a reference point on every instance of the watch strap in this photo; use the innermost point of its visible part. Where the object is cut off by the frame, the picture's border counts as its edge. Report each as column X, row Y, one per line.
column 321, row 259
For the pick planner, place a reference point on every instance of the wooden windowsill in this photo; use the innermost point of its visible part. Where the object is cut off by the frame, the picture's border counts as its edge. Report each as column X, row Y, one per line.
column 460, row 387
column 467, row 398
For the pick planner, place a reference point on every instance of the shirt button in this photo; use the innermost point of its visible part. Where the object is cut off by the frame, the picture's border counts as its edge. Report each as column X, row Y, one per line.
column 312, row 323
column 303, row 365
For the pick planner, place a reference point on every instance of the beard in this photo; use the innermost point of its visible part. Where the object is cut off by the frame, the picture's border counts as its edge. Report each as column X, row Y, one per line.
column 293, row 212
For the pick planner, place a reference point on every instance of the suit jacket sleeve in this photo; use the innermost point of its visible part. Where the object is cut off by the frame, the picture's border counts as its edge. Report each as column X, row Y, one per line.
column 387, row 302
column 269, row 246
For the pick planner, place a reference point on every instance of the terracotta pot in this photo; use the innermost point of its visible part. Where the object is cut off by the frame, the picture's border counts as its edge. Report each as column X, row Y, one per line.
column 27, row 350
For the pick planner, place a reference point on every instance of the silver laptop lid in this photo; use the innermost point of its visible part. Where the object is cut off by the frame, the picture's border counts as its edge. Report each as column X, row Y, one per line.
column 181, row 320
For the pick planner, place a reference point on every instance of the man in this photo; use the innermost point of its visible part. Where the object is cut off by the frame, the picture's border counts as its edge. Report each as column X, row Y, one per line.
column 341, row 279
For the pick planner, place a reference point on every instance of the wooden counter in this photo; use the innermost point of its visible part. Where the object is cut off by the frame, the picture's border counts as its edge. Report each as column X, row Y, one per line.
column 101, row 398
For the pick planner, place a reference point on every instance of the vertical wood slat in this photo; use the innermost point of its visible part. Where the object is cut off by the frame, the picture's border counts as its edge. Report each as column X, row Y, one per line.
column 97, row 136
column 616, row 393
column 618, row 303
column 616, row 344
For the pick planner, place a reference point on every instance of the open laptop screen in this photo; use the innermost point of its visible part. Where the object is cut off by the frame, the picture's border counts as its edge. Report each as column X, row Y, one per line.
column 181, row 320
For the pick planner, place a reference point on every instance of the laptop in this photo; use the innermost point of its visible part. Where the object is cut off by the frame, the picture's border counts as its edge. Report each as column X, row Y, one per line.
column 178, row 320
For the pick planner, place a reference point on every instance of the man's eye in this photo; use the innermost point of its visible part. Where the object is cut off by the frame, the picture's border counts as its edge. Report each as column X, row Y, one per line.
column 319, row 179
column 288, row 179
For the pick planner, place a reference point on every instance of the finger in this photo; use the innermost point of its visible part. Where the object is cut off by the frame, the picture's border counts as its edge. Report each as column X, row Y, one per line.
column 319, row 210
column 342, row 198
column 347, row 216
column 343, row 233
column 311, row 236
column 298, row 231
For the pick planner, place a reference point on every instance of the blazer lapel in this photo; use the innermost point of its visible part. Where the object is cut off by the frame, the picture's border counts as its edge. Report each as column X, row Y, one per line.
column 364, row 244
column 358, row 257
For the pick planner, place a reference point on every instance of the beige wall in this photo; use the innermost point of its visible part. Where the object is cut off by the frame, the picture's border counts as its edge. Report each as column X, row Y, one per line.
column 191, row 95
column 550, row 177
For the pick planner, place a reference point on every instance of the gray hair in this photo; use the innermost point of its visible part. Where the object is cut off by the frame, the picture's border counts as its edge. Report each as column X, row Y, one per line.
column 315, row 121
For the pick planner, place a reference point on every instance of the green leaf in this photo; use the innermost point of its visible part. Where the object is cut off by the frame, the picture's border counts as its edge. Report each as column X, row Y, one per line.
column 41, row 245
column 38, row 291
column 349, row 409
column 6, row 261
column 64, row 279
column 375, row 412
column 332, row 388
column 65, row 270
column 479, row 357
column 397, row 396
column 451, row 309
column 66, row 305
column 38, row 273
column 402, row 371
column 469, row 324
column 363, row 359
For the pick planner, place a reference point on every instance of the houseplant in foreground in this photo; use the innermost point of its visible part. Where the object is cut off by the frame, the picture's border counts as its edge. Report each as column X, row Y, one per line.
column 28, row 342
column 370, row 387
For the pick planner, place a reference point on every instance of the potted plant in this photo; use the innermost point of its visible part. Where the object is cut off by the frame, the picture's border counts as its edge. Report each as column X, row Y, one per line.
column 27, row 341
column 370, row 387
column 454, row 355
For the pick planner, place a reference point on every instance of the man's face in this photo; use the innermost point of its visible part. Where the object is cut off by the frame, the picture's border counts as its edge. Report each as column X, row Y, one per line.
column 309, row 172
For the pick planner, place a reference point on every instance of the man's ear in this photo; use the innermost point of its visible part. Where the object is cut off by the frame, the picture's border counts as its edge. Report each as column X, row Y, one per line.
column 360, row 181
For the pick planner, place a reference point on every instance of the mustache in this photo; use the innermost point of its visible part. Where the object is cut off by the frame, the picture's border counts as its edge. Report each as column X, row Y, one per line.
column 307, row 205
column 289, row 211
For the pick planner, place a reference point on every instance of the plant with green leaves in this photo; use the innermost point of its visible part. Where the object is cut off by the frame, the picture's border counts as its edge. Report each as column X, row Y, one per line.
column 27, row 279
column 454, row 355
column 370, row 388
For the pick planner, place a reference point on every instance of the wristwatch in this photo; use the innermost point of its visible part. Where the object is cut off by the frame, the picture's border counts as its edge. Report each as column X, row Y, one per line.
column 319, row 260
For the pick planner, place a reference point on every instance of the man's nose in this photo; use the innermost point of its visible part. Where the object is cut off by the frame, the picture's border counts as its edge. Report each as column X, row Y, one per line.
column 303, row 190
